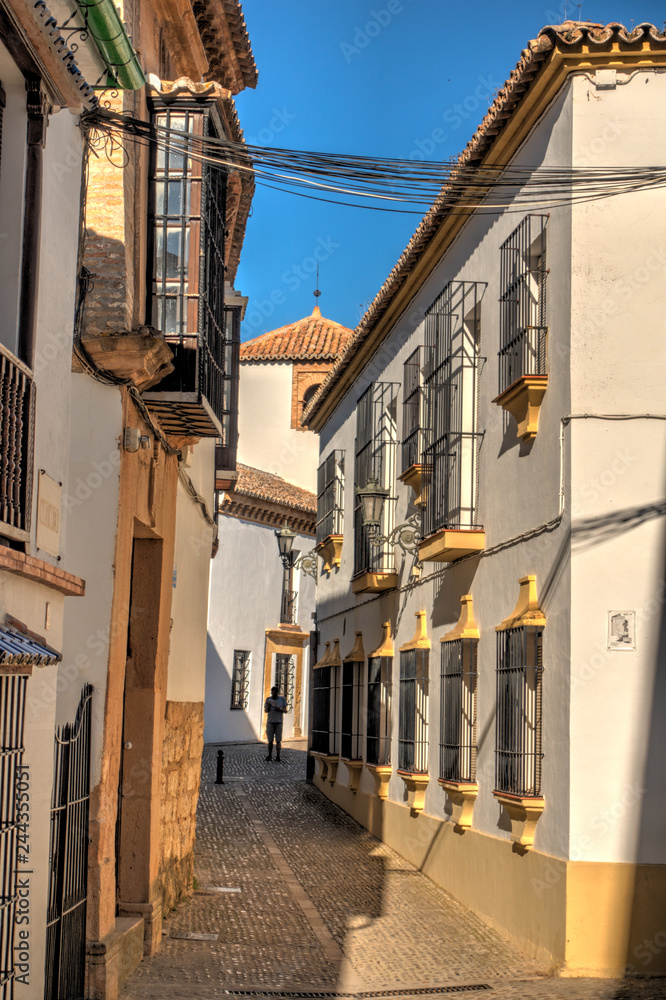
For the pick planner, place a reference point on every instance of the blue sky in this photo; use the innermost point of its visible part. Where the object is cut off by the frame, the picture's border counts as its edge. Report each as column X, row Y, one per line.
column 396, row 78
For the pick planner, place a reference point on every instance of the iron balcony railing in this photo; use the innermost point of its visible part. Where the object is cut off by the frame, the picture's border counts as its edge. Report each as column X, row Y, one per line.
column 376, row 444
column 523, row 330
column 288, row 607
column 17, row 405
column 186, row 250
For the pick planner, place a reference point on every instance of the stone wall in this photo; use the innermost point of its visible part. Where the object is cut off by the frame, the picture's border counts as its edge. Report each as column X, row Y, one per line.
column 181, row 772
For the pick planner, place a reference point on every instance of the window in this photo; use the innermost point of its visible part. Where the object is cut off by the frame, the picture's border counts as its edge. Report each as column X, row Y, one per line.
column 186, row 257
column 285, row 671
column 350, row 728
column 523, row 330
column 309, row 394
column 227, row 446
column 330, row 495
column 452, row 438
column 518, row 753
column 376, row 442
column 325, row 706
column 413, row 722
column 457, row 748
column 240, row 680
column 413, row 411
column 378, row 734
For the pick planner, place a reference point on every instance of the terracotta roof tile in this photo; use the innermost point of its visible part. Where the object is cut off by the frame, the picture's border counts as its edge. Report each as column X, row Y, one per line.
column 313, row 337
column 569, row 37
column 266, row 486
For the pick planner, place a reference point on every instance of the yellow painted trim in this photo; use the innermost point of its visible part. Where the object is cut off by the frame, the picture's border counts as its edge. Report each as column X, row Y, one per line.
column 292, row 644
column 328, row 765
column 373, row 583
column 524, row 813
column 354, row 768
column 416, row 788
column 542, row 91
column 335, row 660
column 385, row 648
column 523, row 401
column 451, row 544
column 420, row 638
column 466, row 627
column 356, row 654
column 462, row 796
column 325, row 659
column 381, row 773
column 527, row 610
column 413, row 476
column 330, row 550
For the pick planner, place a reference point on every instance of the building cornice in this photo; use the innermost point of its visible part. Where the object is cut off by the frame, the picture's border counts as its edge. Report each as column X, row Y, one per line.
column 260, row 511
column 541, row 73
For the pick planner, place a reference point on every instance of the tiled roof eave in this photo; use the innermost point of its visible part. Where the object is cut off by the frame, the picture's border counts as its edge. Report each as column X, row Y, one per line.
column 534, row 58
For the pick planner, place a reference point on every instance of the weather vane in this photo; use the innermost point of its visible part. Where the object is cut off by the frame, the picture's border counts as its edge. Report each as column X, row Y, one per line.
column 316, row 292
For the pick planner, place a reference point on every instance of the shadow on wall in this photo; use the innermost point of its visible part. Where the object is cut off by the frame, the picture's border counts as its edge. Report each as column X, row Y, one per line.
column 220, row 722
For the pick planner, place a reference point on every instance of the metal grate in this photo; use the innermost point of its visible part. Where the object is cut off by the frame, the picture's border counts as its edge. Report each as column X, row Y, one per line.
column 240, row 680
column 12, row 823
column 376, row 443
column 523, row 330
column 457, row 748
column 424, row 991
column 227, row 447
column 350, row 727
column 450, row 458
column 325, row 710
column 288, row 607
column 17, row 400
column 413, row 720
column 68, row 857
column 378, row 733
column 285, row 673
column 187, row 281
column 518, row 752
column 330, row 495
column 413, row 410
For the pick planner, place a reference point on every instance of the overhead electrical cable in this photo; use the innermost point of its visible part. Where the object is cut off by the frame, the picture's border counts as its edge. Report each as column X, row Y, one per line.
column 385, row 183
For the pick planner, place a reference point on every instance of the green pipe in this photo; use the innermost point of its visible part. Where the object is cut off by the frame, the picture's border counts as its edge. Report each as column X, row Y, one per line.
column 108, row 32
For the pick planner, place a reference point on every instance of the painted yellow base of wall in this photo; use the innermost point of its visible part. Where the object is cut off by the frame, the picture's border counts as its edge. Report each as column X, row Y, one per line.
column 574, row 918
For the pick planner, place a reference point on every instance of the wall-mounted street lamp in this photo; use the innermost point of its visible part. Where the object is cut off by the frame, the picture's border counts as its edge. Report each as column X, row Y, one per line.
column 407, row 535
column 307, row 562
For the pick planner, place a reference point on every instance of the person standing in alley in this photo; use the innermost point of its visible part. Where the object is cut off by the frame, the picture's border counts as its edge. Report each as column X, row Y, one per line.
column 276, row 706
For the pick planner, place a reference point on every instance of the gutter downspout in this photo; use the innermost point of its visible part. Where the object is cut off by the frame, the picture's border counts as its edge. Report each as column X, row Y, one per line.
column 109, row 35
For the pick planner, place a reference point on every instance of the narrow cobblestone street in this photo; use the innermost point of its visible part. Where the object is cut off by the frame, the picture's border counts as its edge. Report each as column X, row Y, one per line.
column 292, row 896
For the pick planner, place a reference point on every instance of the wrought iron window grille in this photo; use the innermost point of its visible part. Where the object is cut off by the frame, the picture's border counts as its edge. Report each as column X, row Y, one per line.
column 186, row 282
column 288, row 607
column 378, row 729
column 519, row 753
column 240, row 681
column 458, row 680
column 12, row 707
column 376, row 444
column 330, row 496
column 17, row 429
column 523, row 329
column 452, row 439
column 413, row 716
column 324, row 710
column 413, row 410
column 350, row 725
column 285, row 674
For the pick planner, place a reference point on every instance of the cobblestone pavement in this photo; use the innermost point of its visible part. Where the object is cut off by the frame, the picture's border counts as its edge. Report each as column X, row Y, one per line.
column 293, row 896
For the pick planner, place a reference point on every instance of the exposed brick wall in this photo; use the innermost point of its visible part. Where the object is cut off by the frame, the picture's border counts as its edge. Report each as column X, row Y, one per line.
column 181, row 772
column 109, row 238
column 305, row 374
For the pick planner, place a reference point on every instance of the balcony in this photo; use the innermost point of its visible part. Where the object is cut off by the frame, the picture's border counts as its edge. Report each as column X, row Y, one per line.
column 17, row 402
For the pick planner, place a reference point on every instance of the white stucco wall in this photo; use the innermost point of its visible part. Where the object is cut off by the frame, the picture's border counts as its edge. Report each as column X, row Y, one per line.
column 266, row 439
column 189, row 607
column 519, row 491
column 246, row 585
column 618, row 474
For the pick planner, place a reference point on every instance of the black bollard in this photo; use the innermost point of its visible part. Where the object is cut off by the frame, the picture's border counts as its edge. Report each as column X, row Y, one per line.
column 220, row 768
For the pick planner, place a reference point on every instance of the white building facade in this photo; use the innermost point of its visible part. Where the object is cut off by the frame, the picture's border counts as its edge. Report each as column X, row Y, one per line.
column 491, row 713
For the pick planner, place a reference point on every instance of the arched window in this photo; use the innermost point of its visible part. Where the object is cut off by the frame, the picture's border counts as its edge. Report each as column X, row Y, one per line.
column 309, row 394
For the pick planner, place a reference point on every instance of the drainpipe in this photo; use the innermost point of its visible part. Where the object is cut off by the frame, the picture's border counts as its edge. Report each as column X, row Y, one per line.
column 109, row 34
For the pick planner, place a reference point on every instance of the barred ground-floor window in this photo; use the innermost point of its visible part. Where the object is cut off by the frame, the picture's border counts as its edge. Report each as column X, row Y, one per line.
column 240, row 679
column 457, row 748
column 413, row 721
column 519, row 752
